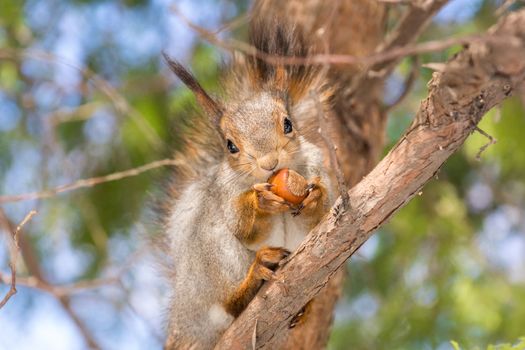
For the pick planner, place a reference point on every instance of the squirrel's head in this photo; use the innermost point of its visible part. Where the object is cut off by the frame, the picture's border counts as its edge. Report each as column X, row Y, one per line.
column 260, row 135
column 257, row 125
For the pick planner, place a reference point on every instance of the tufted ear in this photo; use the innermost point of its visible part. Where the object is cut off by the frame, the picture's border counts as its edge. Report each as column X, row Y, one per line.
column 210, row 106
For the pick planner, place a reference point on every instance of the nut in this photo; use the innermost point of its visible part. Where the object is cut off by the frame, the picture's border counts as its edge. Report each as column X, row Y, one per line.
column 289, row 185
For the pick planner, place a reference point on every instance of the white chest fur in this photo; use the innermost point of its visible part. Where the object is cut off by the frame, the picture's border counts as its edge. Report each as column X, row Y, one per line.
column 287, row 232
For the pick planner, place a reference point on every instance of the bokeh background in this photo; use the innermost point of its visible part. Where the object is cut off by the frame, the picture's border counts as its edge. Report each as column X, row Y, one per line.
column 84, row 92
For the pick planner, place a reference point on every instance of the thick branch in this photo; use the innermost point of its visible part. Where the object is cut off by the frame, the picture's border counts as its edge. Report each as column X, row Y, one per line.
column 473, row 82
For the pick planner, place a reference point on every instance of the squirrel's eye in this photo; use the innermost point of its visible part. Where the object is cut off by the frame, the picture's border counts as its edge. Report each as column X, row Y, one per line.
column 287, row 126
column 231, row 147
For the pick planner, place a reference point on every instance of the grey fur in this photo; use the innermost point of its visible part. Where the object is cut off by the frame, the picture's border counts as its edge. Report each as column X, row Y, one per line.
column 201, row 221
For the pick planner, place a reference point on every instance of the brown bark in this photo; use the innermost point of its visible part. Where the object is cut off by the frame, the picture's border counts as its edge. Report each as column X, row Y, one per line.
column 359, row 113
column 471, row 83
column 357, row 126
column 354, row 27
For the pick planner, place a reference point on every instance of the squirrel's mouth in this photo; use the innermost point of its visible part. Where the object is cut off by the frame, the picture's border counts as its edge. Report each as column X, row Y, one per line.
column 263, row 175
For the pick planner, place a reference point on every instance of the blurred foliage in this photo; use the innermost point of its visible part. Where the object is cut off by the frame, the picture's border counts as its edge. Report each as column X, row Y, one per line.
column 519, row 345
column 447, row 266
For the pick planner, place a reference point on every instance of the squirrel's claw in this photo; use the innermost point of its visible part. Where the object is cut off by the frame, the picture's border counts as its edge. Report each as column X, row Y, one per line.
column 268, row 201
column 297, row 210
column 261, row 187
column 267, row 260
column 313, row 183
column 314, row 195
column 264, row 273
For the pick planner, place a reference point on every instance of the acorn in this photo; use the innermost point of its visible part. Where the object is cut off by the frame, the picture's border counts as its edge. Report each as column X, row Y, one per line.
column 289, row 185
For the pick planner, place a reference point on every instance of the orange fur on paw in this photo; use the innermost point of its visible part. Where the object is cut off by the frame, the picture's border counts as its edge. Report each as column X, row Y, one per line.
column 266, row 261
column 268, row 201
column 315, row 201
column 268, row 258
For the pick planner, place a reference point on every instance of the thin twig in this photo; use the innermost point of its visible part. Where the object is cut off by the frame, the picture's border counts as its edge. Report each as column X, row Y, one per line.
column 504, row 7
column 69, row 289
column 492, row 141
column 119, row 102
column 407, row 86
column 332, row 151
column 59, row 291
column 62, row 293
column 337, row 59
column 13, row 252
column 234, row 23
column 88, row 182
column 34, row 268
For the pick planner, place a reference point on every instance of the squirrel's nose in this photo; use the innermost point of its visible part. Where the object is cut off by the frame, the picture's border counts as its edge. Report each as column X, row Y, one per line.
column 268, row 162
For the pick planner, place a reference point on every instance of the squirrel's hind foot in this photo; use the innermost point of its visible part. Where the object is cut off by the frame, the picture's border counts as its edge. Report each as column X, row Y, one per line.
column 267, row 260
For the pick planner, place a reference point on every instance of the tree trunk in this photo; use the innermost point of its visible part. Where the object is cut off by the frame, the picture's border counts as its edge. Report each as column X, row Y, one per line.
column 357, row 123
column 469, row 85
column 353, row 27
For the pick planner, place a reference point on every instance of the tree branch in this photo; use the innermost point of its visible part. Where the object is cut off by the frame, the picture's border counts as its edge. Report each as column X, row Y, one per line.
column 33, row 266
column 120, row 104
column 407, row 85
column 90, row 182
column 472, row 82
column 13, row 252
column 396, row 46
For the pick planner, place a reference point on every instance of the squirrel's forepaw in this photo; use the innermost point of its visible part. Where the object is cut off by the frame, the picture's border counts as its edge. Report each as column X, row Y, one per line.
column 314, row 197
column 267, row 260
column 268, row 201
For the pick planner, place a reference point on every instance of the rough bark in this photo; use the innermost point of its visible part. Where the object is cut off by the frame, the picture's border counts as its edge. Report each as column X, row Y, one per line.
column 471, row 83
column 357, row 126
column 352, row 27
column 360, row 117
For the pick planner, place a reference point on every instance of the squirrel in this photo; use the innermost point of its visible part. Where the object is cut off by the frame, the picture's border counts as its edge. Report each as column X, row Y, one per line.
column 224, row 231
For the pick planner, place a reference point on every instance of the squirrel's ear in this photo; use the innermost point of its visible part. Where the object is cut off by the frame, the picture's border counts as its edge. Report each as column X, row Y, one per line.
column 211, row 107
